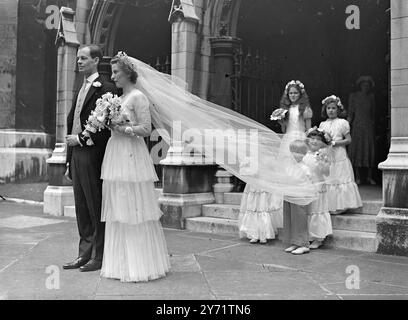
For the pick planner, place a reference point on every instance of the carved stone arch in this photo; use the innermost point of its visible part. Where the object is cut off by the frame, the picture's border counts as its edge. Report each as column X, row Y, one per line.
column 103, row 23
column 225, row 19
column 104, row 20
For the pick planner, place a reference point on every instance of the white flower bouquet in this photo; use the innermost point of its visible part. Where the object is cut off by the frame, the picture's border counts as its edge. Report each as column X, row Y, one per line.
column 108, row 110
column 278, row 114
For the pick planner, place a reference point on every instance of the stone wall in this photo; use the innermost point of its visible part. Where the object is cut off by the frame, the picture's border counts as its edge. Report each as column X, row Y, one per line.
column 8, row 57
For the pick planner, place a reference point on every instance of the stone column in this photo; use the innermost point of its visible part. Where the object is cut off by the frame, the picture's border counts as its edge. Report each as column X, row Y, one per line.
column 223, row 49
column 392, row 221
column 81, row 20
column 184, row 37
column 187, row 179
column 187, row 185
column 59, row 192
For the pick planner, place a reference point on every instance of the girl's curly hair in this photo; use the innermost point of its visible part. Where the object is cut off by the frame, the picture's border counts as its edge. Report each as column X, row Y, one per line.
column 341, row 112
column 303, row 101
column 315, row 132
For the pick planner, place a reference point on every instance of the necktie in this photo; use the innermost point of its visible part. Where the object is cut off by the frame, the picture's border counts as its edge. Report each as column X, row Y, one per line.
column 76, row 128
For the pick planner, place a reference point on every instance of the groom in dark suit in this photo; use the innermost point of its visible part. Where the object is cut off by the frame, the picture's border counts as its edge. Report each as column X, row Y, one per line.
column 84, row 160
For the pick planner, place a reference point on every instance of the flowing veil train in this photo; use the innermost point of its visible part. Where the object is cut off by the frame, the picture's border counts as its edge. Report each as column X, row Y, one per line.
column 240, row 145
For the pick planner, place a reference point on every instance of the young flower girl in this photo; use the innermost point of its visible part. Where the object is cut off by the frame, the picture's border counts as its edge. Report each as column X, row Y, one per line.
column 260, row 215
column 318, row 160
column 261, row 211
column 295, row 216
column 342, row 190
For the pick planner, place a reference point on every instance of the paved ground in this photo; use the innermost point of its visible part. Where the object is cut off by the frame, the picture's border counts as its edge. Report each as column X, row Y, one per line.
column 34, row 246
column 26, row 191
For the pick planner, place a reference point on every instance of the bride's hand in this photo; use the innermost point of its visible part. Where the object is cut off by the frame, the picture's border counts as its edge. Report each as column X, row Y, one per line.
column 124, row 129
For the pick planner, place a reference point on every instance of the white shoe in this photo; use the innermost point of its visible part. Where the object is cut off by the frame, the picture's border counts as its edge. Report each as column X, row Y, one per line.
column 291, row 248
column 315, row 244
column 253, row 241
column 262, row 241
column 301, row 250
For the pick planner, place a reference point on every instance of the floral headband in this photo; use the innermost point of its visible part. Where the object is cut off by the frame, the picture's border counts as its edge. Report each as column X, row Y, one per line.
column 320, row 132
column 295, row 83
column 314, row 129
column 124, row 58
column 334, row 99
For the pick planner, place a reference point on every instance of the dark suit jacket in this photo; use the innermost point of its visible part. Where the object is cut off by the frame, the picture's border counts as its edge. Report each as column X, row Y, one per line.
column 100, row 138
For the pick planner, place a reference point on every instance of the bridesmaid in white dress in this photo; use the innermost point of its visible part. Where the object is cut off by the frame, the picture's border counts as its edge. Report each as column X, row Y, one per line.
column 261, row 212
column 343, row 192
column 135, row 247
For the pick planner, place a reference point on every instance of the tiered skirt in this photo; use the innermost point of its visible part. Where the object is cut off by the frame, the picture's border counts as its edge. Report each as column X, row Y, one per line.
column 135, row 247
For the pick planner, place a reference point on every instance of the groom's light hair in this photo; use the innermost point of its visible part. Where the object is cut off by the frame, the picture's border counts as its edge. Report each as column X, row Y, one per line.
column 94, row 50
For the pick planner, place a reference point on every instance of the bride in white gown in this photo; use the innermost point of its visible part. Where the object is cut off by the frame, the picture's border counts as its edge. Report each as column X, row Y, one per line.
column 135, row 247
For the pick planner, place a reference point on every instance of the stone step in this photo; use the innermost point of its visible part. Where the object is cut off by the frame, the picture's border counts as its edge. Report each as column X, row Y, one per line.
column 346, row 221
column 212, row 225
column 369, row 206
column 69, row 211
column 354, row 240
column 225, row 211
column 345, row 239
column 354, row 222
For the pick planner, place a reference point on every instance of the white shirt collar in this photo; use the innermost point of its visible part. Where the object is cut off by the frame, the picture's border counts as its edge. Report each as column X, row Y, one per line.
column 92, row 77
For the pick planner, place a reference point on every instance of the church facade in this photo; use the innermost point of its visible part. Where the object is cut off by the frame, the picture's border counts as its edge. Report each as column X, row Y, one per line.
column 236, row 53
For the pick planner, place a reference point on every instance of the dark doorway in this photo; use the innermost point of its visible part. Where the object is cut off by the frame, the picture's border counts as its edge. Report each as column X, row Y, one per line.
column 309, row 41
column 144, row 31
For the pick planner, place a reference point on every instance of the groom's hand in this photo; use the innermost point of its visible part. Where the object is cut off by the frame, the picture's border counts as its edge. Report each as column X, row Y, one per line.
column 72, row 140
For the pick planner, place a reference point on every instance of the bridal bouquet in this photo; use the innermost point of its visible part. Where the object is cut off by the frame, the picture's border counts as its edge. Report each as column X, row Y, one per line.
column 108, row 110
column 278, row 114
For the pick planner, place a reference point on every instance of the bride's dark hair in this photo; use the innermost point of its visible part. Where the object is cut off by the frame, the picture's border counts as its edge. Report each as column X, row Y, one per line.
column 303, row 100
column 125, row 65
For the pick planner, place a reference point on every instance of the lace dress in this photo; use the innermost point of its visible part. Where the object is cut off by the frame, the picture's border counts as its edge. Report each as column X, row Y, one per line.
column 342, row 191
column 135, row 247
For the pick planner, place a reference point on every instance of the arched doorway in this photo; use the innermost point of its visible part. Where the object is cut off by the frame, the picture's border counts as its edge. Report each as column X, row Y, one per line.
column 141, row 29
column 309, row 41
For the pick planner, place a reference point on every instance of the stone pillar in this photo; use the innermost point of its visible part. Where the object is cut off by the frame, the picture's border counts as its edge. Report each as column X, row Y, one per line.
column 81, row 20
column 392, row 221
column 187, row 184
column 59, row 192
column 184, row 37
column 223, row 184
column 223, row 49
column 187, row 179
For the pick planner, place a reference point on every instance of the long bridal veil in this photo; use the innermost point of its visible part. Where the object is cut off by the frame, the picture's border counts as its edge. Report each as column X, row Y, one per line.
column 240, row 145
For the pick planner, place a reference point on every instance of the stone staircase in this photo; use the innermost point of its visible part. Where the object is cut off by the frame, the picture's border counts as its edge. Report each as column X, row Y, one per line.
column 355, row 229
